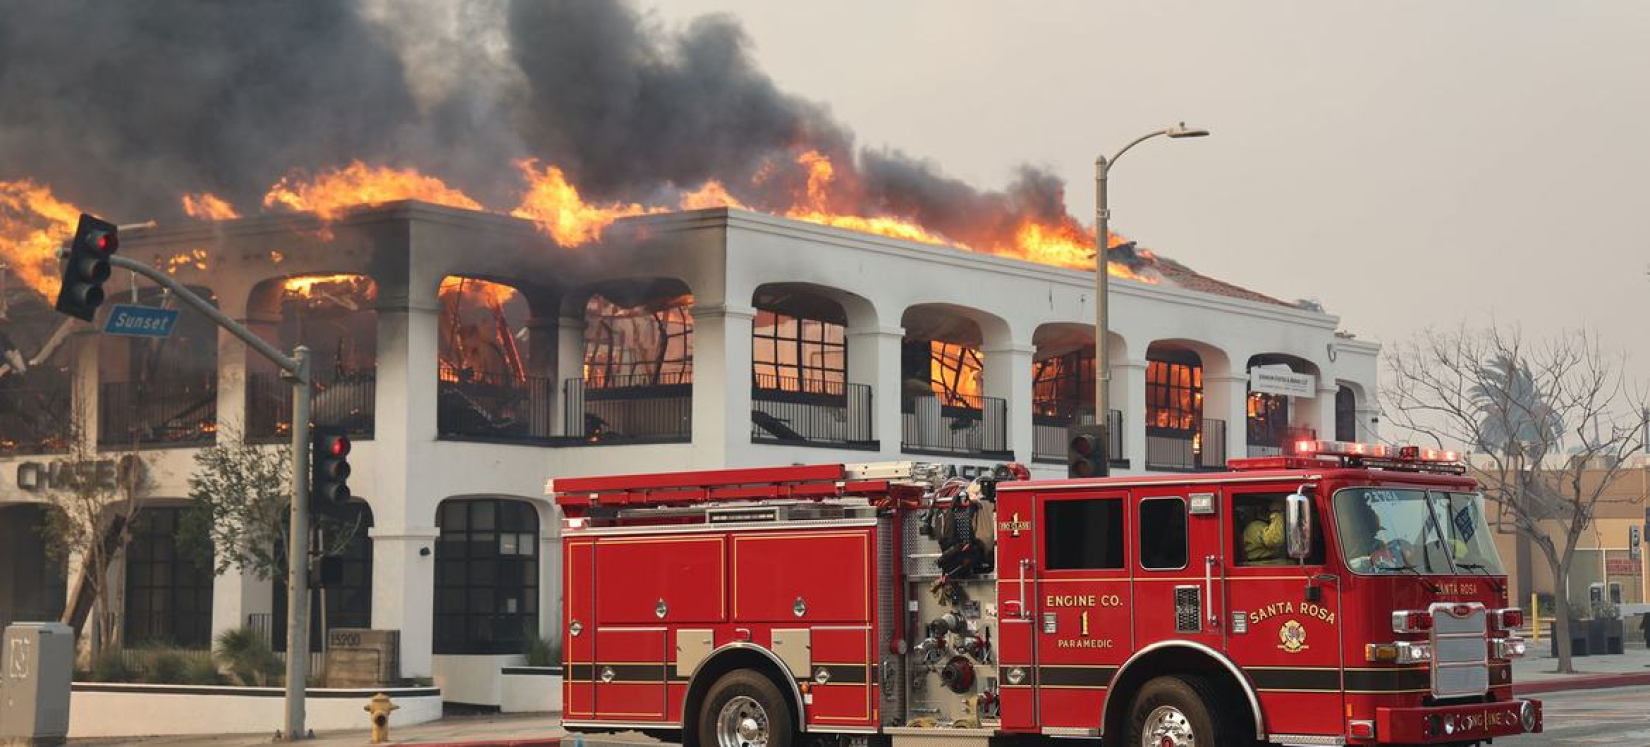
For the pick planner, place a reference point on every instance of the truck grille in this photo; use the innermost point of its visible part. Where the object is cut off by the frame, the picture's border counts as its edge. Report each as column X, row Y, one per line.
column 1460, row 650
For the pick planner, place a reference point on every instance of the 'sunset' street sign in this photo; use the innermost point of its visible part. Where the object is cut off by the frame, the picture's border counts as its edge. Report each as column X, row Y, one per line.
column 140, row 321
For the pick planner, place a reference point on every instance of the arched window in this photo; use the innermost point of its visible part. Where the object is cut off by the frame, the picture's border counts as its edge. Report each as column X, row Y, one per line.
column 486, row 576
column 168, row 592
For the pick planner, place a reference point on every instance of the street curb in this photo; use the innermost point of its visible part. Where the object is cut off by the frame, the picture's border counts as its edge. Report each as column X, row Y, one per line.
column 1581, row 682
column 547, row 742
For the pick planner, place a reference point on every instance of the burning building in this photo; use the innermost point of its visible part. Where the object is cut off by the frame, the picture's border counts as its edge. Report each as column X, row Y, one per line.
column 474, row 355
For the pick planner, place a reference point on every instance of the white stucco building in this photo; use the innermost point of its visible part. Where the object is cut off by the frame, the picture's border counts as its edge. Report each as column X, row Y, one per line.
column 689, row 340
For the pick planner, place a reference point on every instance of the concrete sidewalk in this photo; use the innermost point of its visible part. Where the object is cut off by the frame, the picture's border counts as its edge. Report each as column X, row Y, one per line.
column 1537, row 673
column 525, row 730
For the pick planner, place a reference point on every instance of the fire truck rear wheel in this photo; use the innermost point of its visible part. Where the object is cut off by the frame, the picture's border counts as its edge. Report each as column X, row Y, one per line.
column 745, row 709
column 1182, row 711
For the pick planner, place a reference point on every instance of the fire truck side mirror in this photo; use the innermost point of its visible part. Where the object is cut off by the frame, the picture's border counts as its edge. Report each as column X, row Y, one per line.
column 1299, row 520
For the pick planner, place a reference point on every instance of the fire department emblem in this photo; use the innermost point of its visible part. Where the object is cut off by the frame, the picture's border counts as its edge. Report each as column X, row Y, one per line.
column 1293, row 637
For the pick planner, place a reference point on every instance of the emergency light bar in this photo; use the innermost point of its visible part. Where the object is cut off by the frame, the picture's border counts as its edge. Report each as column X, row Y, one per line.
column 1309, row 447
column 1311, row 453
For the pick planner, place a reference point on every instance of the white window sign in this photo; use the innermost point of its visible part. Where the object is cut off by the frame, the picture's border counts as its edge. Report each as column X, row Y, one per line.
column 1282, row 381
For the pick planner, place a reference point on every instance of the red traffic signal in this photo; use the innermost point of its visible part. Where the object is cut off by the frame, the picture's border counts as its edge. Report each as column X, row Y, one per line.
column 87, row 267
column 338, row 446
column 329, row 468
column 1086, row 452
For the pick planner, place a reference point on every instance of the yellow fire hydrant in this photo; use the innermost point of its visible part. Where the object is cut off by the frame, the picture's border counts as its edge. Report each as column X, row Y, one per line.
column 380, row 708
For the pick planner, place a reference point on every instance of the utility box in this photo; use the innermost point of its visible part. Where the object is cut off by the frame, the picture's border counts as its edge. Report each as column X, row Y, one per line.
column 36, row 666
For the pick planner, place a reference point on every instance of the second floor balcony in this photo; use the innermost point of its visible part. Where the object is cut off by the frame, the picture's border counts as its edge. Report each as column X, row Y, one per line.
column 805, row 412
column 342, row 400
column 958, row 424
column 154, row 413
column 1187, row 450
column 1049, row 435
column 629, row 409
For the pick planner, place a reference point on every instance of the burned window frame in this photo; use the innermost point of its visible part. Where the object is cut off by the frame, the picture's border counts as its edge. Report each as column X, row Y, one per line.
column 1174, row 394
column 1062, row 385
column 603, row 370
column 771, row 373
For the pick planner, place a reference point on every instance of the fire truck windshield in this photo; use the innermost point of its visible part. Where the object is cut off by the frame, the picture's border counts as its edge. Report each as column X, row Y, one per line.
column 1394, row 530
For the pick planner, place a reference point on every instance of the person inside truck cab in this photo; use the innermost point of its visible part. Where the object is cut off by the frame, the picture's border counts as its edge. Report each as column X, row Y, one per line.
column 1263, row 533
column 1365, row 549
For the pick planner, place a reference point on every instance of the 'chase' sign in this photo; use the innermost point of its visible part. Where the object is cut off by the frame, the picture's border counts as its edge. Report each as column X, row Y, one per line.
column 101, row 474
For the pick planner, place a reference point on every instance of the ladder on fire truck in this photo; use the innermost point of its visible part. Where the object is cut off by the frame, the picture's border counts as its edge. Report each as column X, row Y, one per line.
column 884, row 484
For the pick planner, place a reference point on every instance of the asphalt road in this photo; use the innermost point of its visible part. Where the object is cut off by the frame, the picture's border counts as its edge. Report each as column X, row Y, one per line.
column 1618, row 716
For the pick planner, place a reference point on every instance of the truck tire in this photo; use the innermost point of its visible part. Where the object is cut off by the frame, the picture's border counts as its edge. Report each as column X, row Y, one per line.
column 745, row 709
column 1183, row 711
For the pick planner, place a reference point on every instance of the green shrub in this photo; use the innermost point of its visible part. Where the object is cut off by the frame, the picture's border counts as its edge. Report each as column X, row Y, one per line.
column 202, row 670
column 541, row 652
column 111, row 666
column 165, row 668
column 248, row 657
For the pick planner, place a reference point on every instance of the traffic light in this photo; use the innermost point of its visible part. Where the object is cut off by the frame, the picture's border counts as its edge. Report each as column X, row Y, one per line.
column 329, row 468
column 95, row 241
column 1086, row 452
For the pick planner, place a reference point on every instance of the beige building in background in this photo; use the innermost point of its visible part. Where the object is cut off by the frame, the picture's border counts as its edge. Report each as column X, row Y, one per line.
column 1603, row 552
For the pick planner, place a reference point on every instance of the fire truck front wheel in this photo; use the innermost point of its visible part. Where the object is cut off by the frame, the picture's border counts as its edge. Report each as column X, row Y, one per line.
column 1182, row 711
column 745, row 709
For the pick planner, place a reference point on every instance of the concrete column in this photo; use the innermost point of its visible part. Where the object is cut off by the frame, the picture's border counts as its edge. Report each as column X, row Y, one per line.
column 86, row 392
column 721, row 382
column 1128, row 393
column 403, row 506
column 403, row 592
column 1227, row 398
column 1319, row 413
column 237, row 594
column 1369, row 423
column 874, row 359
column 1008, row 377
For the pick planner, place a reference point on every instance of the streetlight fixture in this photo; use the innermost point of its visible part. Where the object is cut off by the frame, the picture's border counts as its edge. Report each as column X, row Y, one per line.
column 1102, row 217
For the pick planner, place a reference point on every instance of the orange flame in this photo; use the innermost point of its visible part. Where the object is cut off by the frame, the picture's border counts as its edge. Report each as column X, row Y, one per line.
column 485, row 292
column 554, row 203
column 208, row 206
column 33, row 224
column 356, row 288
column 195, row 258
column 820, row 175
column 330, row 193
column 712, row 195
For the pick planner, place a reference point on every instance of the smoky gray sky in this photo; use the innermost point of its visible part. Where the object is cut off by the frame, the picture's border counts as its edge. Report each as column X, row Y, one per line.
column 1405, row 163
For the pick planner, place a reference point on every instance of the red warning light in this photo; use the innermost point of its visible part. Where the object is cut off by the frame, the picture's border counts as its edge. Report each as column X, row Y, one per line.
column 339, row 446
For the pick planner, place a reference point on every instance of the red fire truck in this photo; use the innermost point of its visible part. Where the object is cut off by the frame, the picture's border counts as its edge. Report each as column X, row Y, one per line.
column 1350, row 594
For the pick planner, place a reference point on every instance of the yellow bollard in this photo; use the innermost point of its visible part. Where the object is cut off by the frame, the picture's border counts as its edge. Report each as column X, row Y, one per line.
column 380, row 708
column 1535, row 618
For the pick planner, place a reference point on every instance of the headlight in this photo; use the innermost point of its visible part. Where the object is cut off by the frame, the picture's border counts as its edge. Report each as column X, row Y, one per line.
column 1414, row 653
column 1526, row 715
column 1510, row 648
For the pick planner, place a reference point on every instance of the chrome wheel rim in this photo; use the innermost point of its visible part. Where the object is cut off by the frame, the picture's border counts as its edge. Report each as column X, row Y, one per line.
column 1166, row 726
column 742, row 723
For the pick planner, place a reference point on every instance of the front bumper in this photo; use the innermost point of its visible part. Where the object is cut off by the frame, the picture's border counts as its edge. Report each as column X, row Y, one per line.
column 1462, row 723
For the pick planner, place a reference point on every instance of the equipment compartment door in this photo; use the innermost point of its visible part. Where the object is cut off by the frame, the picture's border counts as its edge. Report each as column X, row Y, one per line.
column 1082, row 604
column 579, row 630
column 1016, row 608
column 631, row 674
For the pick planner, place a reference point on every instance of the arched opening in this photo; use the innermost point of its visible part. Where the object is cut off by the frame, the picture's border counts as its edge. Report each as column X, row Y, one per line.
column 486, row 390
column 800, row 392
column 159, row 390
column 1276, row 380
column 333, row 316
column 36, row 382
column 942, row 400
column 347, row 602
column 636, row 382
column 33, row 582
column 1063, row 389
column 486, row 576
column 1178, row 436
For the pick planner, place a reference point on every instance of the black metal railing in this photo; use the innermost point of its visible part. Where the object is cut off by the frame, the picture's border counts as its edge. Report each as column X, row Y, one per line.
column 476, row 404
column 958, row 424
column 1048, row 434
column 157, row 412
column 805, row 412
column 1188, row 452
column 35, row 420
column 629, row 409
column 345, row 401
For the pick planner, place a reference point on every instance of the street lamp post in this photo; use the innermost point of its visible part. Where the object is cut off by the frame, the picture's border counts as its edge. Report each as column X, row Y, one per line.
column 1102, row 217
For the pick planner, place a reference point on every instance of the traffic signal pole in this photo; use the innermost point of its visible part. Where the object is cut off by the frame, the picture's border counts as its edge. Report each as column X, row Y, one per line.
column 295, row 370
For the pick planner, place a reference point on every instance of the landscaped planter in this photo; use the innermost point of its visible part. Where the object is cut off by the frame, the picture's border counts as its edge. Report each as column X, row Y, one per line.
column 1578, row 638
column 99, row 709
column 531, row 690
column 1604, row 636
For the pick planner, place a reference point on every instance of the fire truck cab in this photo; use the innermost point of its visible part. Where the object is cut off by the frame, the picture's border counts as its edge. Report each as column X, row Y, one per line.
column 1350, row 595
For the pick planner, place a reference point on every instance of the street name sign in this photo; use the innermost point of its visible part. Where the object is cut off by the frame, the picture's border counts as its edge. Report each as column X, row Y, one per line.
column 140, row 321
